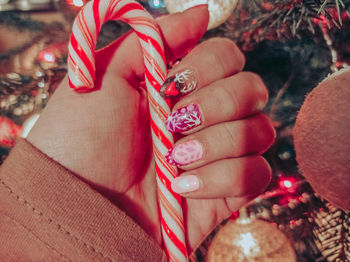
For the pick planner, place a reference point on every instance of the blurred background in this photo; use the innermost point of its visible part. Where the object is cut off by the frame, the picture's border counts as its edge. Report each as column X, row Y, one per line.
column 292, row 44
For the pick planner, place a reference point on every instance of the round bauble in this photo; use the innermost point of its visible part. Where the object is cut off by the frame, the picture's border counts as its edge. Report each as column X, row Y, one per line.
column 250, row 240
column 219, row 10
column 8, row 132
column 322, row 139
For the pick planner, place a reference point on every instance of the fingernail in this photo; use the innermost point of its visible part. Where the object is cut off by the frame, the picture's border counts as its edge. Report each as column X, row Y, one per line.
column 179, row 84
column 185, row 153
column 185, row 184
column 184, row 119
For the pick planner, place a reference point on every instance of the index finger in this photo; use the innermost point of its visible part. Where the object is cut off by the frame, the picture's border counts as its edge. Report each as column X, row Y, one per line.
column 208, row 62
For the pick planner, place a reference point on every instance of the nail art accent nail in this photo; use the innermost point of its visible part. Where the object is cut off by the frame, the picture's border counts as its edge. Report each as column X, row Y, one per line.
column 180, row 84
column 185, row 153
column 185, row 184
column 184, row 119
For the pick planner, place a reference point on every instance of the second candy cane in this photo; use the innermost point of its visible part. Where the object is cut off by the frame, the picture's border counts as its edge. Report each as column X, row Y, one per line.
column 81, row 72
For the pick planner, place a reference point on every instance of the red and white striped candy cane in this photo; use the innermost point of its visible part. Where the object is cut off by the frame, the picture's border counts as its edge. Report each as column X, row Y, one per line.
column 81, row 72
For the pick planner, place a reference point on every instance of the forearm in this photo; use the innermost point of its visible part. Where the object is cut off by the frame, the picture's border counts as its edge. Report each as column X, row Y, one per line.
column 46, row 212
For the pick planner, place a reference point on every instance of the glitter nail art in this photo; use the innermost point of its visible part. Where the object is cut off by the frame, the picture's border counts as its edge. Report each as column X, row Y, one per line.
column 184, row 119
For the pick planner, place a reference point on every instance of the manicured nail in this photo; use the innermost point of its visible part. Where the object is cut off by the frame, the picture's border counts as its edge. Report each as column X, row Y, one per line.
column 185, row 184
column 185, row 153
column 180, row 84
column 184, row 119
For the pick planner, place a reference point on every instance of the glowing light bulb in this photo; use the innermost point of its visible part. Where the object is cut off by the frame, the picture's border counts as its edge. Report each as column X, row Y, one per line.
column 248, row 244
column 78, row 3
column 286, row 183
column 156, row 3
column 47, row 57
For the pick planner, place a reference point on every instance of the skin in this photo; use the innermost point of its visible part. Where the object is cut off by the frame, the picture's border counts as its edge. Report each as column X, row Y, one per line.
column 103, row 136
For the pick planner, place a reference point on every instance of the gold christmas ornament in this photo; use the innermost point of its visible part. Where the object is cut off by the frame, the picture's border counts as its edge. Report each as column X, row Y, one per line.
column 250, row 240
column 219, row 10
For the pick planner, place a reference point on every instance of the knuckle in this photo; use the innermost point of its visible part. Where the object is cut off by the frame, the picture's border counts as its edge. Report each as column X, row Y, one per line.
column 255, row 82
column 265, row 171
column 221, row 41
column 215, row 58
column 253, row 174
column 230, row 136
column 225, row 44
column 253, row 79
column 228, row 52
column 262, row 132
column 267, row 131
column 258, row 169
column 230, row 103
column 231, row 52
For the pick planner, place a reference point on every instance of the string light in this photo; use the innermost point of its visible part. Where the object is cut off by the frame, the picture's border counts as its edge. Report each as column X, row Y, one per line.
column 47, row 57
column 286, row 183
column 156, row 3
column 78, row 3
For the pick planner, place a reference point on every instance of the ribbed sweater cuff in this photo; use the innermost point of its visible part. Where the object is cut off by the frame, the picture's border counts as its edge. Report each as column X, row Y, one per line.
column 71, row 207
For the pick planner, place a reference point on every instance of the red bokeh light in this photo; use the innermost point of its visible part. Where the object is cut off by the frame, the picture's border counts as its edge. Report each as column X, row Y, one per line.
column 47, row 56
column 8, row 132
column 76, row 3
column 286, row 182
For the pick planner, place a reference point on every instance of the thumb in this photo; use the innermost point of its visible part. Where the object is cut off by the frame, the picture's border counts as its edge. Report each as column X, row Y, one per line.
column 181, row 32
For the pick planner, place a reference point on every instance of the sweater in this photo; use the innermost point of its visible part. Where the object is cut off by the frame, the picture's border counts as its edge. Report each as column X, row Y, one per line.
column 48, row 214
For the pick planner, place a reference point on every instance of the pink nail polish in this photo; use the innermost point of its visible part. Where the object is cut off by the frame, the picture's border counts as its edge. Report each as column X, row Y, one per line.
column 184, row 119
column 185, row 153
column 185, row 184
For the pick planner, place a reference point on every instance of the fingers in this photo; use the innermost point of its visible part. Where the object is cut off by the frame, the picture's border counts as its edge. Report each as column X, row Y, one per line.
column 233, row 139
column 181, row 31
column 213, row 59
column 242, row 177
column 228, row 99
column 219, row 114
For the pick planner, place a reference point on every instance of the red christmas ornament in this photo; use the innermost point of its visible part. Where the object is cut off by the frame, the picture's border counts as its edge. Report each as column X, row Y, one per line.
column 322, row 139
column 8, row 132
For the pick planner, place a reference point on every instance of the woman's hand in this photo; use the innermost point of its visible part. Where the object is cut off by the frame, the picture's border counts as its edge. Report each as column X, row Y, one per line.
column 104, row 136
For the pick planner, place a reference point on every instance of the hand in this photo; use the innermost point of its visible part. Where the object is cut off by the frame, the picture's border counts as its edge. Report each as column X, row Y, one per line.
column 104, row 136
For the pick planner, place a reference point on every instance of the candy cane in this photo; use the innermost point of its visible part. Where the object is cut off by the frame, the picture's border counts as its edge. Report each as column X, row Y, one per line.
column 81, row 72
